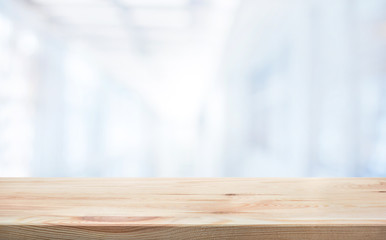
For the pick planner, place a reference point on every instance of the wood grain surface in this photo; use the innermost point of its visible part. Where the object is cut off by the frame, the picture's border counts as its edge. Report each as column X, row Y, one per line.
column 193, row 208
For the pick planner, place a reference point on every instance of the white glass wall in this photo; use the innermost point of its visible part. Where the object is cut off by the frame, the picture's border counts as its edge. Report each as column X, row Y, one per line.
column 100, row 88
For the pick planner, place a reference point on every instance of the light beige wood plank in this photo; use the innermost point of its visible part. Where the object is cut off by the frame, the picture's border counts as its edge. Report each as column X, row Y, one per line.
column 193, row 208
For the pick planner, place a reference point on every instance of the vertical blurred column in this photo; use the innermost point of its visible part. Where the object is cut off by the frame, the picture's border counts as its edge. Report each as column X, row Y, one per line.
column 84, row 100
column 297, row 84
column 50, row 108
column 5, row 59
column 18, row 48
column 124, row 134
column 333, row 90
column 266, row 75
column 372, row 37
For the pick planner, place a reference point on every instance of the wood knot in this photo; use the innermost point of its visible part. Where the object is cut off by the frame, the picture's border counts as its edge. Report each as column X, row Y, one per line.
column 230, row 194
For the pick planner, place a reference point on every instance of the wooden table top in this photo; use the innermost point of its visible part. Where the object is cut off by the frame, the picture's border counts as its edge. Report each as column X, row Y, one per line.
column 193, row 208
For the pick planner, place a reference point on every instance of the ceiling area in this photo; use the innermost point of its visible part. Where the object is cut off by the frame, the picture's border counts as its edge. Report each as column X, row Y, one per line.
column 147, row 44
column 154, row 47
column 139, row 26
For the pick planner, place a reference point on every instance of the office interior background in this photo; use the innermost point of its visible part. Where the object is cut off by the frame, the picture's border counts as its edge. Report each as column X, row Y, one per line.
column 193, row 88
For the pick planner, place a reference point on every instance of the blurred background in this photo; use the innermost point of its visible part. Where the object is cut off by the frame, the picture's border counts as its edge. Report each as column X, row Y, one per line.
column 193, row 88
